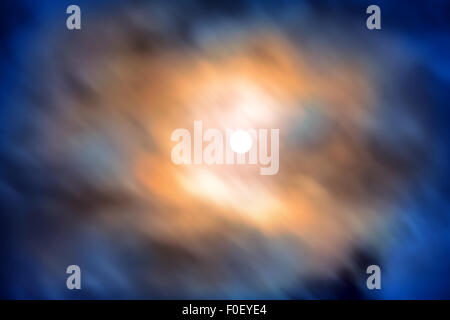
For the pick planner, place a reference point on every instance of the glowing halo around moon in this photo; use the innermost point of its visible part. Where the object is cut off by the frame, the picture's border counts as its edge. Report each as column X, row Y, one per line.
column 241, row 141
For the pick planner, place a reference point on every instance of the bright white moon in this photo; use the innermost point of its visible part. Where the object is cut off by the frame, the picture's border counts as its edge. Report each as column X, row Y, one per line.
column 240, row 141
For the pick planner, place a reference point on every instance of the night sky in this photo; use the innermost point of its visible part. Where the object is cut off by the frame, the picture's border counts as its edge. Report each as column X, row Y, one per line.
column 86, row 176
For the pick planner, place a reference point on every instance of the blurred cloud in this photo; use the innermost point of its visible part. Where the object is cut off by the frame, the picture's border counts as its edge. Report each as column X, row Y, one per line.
column 86, row 176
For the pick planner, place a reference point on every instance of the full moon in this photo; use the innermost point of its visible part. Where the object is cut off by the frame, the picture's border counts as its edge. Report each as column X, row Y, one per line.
column 240, row 141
